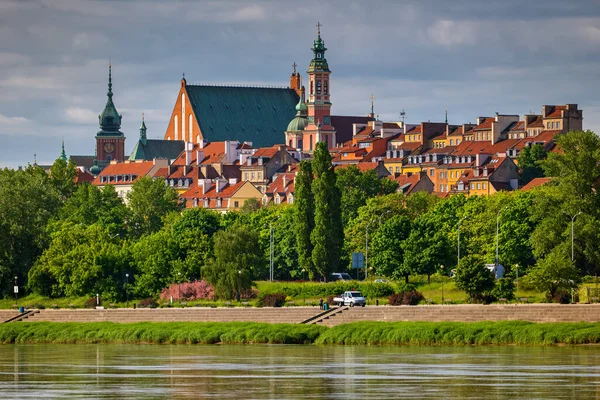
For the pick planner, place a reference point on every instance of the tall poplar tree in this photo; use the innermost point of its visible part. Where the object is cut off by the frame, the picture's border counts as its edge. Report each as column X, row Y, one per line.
column 328, row 236
column 305, row 216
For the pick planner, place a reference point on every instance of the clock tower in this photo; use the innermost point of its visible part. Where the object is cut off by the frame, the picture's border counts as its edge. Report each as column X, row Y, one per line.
column 110, row 141
column 319, row 127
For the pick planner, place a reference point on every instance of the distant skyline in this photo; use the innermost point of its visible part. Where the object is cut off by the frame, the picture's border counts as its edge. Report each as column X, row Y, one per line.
column 472, row 57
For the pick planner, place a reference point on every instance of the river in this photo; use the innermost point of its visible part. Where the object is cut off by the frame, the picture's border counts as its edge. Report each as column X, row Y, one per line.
column 293, row 372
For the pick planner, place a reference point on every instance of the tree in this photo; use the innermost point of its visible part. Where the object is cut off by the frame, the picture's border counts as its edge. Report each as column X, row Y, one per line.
column 150, row 200
column 62, row 176
column 426, row 248
column 529, row 163
column 237, row 255
column 27, row 202
column 555, row 272
column 327, row 236
column 305, row 216
column 388, row 255
column 473, row 277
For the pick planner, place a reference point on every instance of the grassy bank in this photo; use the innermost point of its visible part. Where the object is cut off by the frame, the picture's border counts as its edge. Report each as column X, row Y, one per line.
column 359, row 333
column 461, row 333
column 158, row 333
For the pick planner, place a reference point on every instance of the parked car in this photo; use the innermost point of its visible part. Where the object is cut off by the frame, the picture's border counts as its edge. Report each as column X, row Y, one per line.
column 340, row 276
column 351, row 298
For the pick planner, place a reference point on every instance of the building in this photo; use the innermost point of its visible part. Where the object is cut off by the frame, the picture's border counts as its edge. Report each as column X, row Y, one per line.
column 220, row 195
column 148, row 149
column 122, row 175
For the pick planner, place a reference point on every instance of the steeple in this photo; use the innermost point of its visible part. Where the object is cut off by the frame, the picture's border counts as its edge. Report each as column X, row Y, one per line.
column 63, row 155
column 143, row 138
column 318, row 63
column 110, row 120
column 446, row 115
column 372, row 114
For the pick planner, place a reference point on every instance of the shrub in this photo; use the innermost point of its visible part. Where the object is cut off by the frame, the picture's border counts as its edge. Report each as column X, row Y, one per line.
column 91, row 303
column 197, row 290
column 39, row 306
column 505, row 288
column 329, row 300
column 249, row 294
column 148, row 303
column 406, row 287
column 412, row 298
column 272, row 300
column 561, row 296
column 396, row 299
column 373, row 290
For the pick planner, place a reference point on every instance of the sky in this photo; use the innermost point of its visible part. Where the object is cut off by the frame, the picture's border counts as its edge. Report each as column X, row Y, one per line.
column 471, row 57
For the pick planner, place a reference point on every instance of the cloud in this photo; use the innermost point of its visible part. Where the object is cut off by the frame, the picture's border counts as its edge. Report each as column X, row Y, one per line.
column 81, row 115
column 13, row 121
column 450, row 33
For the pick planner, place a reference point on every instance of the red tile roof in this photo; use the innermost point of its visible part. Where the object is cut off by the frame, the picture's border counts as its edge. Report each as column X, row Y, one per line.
column 404, row 180
column 536, row 182
column 213, row 153
column 226, row 192
column 278, row 187
column 486, row 124
column 83, row 176
column 538, row 122
column 545, row 137
column 137, row 169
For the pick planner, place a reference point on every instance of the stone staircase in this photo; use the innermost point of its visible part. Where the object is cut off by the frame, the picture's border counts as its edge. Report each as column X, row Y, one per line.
column 199, row 314
column 7, row 314
column 469, row 313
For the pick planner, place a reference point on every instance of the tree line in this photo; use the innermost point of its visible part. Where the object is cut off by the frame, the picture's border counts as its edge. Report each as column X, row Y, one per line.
column 59, row 239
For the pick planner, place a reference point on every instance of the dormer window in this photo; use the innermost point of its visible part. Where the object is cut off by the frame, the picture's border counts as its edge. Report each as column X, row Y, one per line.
column 219, row 202
column 206, row 205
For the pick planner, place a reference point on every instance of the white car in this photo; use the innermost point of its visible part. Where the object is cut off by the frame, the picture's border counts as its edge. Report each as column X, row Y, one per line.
column 351, row 298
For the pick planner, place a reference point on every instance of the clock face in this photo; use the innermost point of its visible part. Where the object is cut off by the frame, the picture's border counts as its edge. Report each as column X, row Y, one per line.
column 109, row 147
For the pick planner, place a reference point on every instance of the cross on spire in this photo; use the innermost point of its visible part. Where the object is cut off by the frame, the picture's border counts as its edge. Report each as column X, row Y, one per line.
column 294, row 65
column 319, row 28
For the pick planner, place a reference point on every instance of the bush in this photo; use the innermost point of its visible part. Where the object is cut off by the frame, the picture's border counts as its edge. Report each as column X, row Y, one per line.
column 148, row 303
column 91, row 303
column 39, row 306
column 396, row 299
column 272, row 300
column 505, row 288
column 197, row 290
column 312, row 289
column 249, row 294
column 561, row 296
column 412, row 298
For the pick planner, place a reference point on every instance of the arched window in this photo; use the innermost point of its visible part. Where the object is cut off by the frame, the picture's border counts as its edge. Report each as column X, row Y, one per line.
column 325, row 88
column 318, row 87
column 176, row 123
column 190, row 128
column 310, row 142
column 183, row 136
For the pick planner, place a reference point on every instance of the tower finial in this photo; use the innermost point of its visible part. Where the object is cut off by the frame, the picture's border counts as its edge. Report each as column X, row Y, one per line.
column 109, row 94
column 319, row 28
column 446, row 115
column 372, row 103
column 63, row 155
column 294, row 65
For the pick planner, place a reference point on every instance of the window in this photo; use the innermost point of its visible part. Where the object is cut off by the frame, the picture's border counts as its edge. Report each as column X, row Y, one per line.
column 259, row 176
column 441, row 174
column 236, row 204
column 431, row 172
column 478, row 185
column 397, row 170
column 548, row 125
column 253, row 176
column 246, row 176
column 451, row 142
column 325, row 88
column 291, row 199
column 484, row 185
column 391, row 169
column 277, row 200
column 318, row 87
column 472, row 186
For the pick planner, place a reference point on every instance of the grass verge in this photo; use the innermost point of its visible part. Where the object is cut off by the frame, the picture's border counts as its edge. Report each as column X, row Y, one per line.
column 158, row 333
column 461, row 333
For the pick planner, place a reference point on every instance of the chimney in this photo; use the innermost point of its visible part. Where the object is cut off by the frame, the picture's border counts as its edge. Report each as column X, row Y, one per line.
column 260, row 161
column 205, row 184
column 354, row 129
column 284, row 181
column 220, row 184
column 249, row 162
column 199, row 156
column 546, row 110
column 233, row 181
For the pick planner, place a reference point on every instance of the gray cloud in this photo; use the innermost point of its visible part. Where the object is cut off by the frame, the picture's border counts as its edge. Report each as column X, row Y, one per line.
column 473, row 57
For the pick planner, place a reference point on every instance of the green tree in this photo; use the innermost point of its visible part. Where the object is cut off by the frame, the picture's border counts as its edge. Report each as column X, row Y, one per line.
column 473, row 277
column 529, row 163
column 554, row 272
column 327, row 236
column 27, row 202
column 237, row 255
column 62, row 176
column 305, row 216
column 150, row 200
column 386, row 248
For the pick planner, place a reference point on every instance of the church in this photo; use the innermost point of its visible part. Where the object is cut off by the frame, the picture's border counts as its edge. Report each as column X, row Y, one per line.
column 263, row 116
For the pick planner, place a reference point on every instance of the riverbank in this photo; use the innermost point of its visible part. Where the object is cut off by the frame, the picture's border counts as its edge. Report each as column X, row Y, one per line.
column 360, row 333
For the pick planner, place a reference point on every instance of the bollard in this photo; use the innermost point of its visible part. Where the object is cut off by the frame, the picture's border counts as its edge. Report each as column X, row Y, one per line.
column 377, row 302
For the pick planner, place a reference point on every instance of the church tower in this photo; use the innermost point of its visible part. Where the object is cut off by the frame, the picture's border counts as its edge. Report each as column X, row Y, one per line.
column 110, row 141
column 319, row 127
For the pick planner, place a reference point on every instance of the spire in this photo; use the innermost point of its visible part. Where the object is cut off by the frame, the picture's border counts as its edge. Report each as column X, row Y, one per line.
column 294, row 65
column 318, row 62
column 372, row 114
column 143, row 138
column 109, row 94
column 63, row 155
column 446, row 115
column 34, row 160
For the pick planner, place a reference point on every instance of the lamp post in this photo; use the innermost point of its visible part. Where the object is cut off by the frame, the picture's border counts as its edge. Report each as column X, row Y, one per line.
column 271, row 250
column 517, row 269
column 442, row 268
column 458, row 242
column 367, row 247
column 498, row 230
column 16, row 291
column 572, row 233
column 127, row 288
column 388, row 211
column 239, row 288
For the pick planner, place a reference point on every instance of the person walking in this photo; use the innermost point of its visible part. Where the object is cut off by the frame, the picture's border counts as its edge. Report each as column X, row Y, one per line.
column 321, row 304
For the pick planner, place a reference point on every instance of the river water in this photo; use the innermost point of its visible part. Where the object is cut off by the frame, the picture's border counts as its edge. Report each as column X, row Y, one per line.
column 295, row 372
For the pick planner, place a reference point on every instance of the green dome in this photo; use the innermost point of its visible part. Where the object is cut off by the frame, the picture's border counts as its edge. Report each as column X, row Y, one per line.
column 297, row 124
column 95, row 169
column 302, row 107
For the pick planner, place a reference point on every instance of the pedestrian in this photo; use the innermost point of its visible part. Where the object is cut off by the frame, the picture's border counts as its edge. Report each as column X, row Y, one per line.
column 321, row 304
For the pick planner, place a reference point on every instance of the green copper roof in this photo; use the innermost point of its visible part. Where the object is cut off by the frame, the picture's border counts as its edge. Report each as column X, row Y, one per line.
column 155, row 148
column 110, row 120
column 63, row 155
column 301, row 119
column 256, row 114
column 319, row 62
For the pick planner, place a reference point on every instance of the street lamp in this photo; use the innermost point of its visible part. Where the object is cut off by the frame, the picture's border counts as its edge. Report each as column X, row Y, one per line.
column 16, row 292
column 367, row 247
column 458, row 243
column 127, row 288
column 388, row 211
column 303, row 271
column 497, row 230
column 442, row 268
column 239, row 285
column 271, row 249
column 572, row 233
column 517, row 269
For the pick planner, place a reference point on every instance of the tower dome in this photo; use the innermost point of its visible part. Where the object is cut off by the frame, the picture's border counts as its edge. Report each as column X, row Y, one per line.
column 300, row 121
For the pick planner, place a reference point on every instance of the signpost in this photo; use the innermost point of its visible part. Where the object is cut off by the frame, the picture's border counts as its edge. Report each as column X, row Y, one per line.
column 358, row 262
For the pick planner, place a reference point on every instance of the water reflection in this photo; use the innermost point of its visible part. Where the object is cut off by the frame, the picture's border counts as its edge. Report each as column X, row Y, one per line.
column 291, row 372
